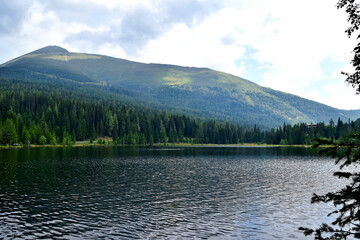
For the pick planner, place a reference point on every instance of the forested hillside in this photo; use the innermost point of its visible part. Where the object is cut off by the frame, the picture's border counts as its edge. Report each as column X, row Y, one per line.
column 196, row 92
column 31, row 115
column 51, row 96
column 39, row 118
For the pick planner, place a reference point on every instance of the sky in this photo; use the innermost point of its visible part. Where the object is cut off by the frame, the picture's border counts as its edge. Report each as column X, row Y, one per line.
column 298, row 47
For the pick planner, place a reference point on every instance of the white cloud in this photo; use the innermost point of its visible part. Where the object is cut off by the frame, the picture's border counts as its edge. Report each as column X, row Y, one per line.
column 340, row 96
column 291, row 40
column 39, row 27
column 286, row 41
column 200, row 46
column 112, row 50
column 296, row 41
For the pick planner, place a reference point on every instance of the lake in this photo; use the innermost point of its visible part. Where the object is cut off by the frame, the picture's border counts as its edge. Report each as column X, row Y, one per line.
column 162, row 192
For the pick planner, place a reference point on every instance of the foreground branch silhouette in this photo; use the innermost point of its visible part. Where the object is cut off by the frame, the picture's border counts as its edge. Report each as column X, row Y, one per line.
column 352, row 8
column 347, row 199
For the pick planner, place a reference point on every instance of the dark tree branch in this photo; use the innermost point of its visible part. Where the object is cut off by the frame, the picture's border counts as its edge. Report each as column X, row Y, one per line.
column 353, row 10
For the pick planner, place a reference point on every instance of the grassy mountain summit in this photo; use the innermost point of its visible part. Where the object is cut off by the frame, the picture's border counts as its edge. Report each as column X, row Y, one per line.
column 200, row 92
column 50, row 49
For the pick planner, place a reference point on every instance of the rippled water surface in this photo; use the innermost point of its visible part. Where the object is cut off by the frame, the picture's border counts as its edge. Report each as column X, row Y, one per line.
column 137, row 193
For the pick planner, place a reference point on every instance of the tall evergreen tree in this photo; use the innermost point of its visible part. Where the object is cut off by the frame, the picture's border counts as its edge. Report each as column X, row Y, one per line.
column 8, row 132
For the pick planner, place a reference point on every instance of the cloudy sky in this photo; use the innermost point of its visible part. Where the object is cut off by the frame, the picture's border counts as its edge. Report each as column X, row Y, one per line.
column 290, row 45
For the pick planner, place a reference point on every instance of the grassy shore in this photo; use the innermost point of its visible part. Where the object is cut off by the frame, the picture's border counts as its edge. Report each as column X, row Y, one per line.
column 110, row 144
column 226, row 145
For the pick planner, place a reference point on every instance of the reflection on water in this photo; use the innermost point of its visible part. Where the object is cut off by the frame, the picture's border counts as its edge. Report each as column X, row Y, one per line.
column 130, row 193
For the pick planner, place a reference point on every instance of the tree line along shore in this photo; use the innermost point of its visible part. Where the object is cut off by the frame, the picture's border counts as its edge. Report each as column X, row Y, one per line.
column 38, row 118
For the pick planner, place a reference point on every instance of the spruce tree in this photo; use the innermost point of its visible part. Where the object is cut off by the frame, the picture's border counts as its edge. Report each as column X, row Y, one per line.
column 8, row 133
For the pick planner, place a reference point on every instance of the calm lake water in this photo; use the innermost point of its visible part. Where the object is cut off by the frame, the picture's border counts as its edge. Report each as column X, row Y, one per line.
column 137, row 193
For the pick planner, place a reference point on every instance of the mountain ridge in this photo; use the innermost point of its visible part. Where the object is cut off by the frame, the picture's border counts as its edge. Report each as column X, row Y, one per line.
column 210, row 93
column 50, row 49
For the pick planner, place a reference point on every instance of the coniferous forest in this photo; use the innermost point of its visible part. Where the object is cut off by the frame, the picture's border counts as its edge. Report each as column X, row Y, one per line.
column 192, row 127
column 39, row 117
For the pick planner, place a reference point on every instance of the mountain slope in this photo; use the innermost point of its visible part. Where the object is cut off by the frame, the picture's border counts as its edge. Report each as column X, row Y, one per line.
column 201, row 92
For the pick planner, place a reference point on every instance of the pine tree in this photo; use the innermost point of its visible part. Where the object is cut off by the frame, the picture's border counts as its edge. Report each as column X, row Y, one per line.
column 162, row 134
column 172, row 135
column 8, row 133
column 42, row 140
column 26, row 138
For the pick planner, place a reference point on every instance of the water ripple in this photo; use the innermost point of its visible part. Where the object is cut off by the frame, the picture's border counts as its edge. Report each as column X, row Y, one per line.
column 201, row 193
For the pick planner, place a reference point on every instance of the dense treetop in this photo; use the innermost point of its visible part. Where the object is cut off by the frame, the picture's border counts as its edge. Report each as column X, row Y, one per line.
column 34, row 116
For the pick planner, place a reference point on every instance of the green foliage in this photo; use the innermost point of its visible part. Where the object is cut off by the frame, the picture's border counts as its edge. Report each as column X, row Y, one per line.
column 53, row 116
column 196, row 92
column 25, row 136
column 8, row 133
column 66, row 139
column 346, row 151
column 42, row 140
column 353, row 10
column 29, row 114
column 346, row 200
column 53, row 140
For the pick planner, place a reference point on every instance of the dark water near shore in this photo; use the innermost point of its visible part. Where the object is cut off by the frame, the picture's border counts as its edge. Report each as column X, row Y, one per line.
column 136, row 193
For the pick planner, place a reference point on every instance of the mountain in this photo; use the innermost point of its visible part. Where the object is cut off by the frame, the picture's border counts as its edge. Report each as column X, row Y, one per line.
column 199, row 92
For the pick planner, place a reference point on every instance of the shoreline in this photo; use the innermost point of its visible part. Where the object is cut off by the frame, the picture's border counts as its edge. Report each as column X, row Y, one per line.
column 87, row 144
